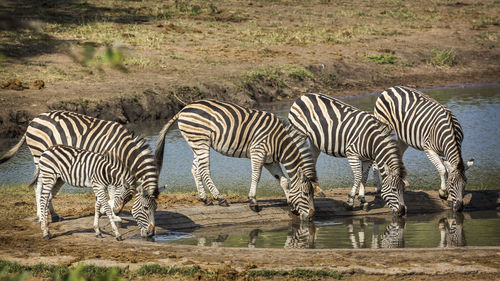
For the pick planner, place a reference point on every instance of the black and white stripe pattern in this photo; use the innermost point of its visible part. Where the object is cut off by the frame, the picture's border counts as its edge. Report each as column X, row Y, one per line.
column 81, row 168
column 341, row 130
column 423, row 123
column 236, row 131
column 452, row 231
column 91, row 134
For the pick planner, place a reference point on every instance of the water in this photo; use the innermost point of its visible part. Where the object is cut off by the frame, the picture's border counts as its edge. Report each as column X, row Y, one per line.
column 417, row 231
column 476, row 107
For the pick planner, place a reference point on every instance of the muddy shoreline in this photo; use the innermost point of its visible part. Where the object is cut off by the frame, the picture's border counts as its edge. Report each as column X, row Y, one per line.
column 21, row 240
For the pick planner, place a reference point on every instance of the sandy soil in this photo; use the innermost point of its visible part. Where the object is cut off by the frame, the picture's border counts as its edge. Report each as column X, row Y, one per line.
column 21, row 240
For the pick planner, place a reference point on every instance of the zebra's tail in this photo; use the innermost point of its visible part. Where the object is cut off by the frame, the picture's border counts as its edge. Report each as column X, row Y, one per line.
column 160, row 142
column 13, row 150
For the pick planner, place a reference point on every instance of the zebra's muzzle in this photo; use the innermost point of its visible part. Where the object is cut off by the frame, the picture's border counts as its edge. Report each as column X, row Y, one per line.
column 458, row 206
column 149, row 232
column 401, row 210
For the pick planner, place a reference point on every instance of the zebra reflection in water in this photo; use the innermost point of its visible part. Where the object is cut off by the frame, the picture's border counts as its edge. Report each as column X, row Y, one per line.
column 393, row 236
column 301, row 236
column 452, row 231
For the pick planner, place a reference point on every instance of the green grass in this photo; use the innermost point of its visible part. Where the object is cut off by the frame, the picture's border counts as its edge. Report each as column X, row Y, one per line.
column 307, row 274
column 300, row 73
column 386, row 58
column 445, row 57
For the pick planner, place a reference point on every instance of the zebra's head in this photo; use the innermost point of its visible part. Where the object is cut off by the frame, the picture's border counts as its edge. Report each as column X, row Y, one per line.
column 392, row 189
column 301, row 196
column 455, row 184
column 122, row 194
column 143, row 211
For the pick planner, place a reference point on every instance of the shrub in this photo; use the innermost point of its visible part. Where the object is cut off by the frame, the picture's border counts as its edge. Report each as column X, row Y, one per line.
column 444, row 57
column 382, row 58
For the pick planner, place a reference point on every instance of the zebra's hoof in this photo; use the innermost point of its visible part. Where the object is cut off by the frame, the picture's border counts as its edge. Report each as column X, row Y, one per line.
column 46, row 237
column 443, row 194
column 57, row 218
column 223, row 202
column 119, row 238
column 347, row 206
column 255, row 207
column 208, row 202
column 99, row 235
column 364, row 206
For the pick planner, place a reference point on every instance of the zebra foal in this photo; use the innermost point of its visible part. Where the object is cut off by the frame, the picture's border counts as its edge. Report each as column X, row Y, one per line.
column 240, row 132
column 82, row 168
column 341, row 130
column 91, row 134
column 424, row 124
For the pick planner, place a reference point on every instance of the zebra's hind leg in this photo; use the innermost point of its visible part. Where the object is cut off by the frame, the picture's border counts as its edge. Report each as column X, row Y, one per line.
column 202, row 157
column 100, row 193
column 436, row 160
column 53, row 214
column 45, row 186
column 199, row 184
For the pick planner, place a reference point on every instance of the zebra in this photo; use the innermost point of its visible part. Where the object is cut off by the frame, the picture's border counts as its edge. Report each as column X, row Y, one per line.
column 237, row 131
column 302, row 235
column 393, row 236
column 452, row 231
column 92, row 134
column 341, row 130
column 83, row 168
column 424, row 124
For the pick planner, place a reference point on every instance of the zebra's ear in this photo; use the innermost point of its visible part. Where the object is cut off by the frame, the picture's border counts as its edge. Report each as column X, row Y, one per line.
column 124, row 182
column 469, row 164
column 162, row 188
column 448, row 166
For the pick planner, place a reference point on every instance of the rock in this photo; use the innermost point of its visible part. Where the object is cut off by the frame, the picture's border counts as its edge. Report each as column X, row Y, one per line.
column 13, row 84
column 38, row 85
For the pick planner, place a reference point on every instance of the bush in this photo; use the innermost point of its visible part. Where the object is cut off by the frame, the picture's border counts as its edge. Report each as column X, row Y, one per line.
column 444, row 57
column 382, row 58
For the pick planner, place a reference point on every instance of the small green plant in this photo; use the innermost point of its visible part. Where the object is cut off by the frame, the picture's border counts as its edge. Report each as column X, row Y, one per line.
column 444, row 57
column 296, row 273
column 300, row 73
column 386, row 58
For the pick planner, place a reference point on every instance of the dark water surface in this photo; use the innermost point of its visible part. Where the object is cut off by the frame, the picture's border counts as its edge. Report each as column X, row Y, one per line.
column 476, row 107
column 416, row 231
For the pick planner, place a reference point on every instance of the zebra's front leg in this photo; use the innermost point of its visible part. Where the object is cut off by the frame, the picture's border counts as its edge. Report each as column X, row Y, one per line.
column 436, row 160
column 97, row 214
column 257, row 160
column 355, row 164
column 113, row 193
column 100, row 194
column 365, row 170
column 275, row 170
column 202, row 157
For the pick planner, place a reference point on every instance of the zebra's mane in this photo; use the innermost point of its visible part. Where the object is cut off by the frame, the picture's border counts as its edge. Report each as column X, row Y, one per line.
column 392, row 145
column 140, row 145
column 111, row 157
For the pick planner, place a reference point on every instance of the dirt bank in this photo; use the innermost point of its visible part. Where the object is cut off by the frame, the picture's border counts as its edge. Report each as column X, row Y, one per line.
column 74, row 241
column 145, row 59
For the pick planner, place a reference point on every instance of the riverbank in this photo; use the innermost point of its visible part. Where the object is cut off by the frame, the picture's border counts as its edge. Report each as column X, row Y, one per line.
column 21, row 240
column 145, row 60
